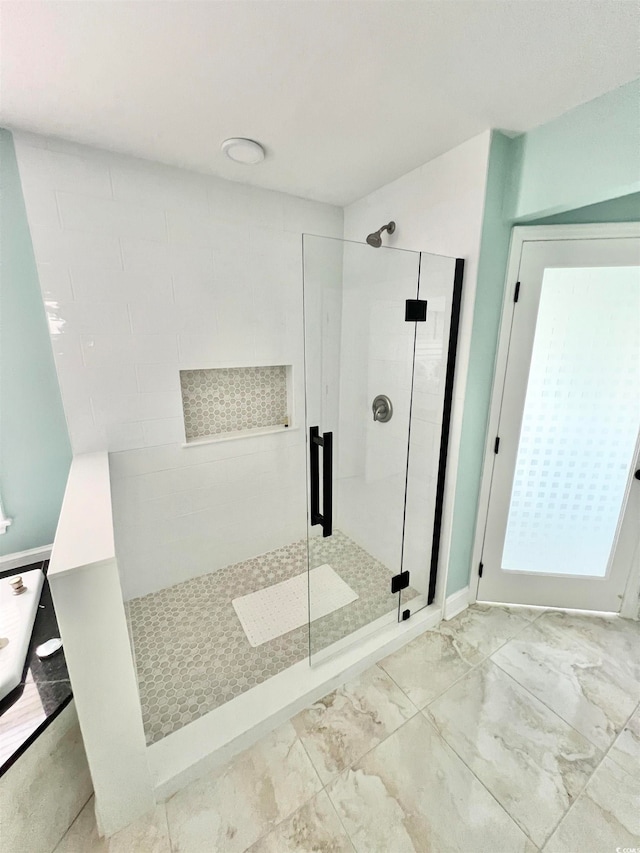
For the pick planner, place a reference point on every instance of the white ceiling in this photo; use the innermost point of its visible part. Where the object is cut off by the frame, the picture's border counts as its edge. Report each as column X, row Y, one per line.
column 345, row 96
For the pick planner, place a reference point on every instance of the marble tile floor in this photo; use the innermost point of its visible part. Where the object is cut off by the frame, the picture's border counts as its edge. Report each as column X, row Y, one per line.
column 192, row 654
column 504, row 730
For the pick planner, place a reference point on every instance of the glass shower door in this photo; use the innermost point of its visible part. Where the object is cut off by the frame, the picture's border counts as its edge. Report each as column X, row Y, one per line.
column 359, row 357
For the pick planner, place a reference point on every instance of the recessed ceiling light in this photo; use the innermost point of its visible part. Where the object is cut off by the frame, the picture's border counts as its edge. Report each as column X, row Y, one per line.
column 243, row 150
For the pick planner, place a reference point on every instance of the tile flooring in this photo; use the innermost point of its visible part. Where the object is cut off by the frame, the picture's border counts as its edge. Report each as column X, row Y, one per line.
column 503, row 731
column 192, row 654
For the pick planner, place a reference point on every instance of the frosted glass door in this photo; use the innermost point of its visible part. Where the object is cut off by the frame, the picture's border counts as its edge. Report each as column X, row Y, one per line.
column 568, row 428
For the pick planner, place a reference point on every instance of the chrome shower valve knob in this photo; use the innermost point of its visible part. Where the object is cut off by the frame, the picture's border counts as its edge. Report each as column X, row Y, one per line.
column 382, row 409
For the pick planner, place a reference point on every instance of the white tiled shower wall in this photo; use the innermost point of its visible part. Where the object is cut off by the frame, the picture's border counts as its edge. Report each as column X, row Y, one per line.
column 146, row 270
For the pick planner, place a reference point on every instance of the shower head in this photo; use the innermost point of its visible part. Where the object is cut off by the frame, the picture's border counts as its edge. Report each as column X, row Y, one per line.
column 375, row 238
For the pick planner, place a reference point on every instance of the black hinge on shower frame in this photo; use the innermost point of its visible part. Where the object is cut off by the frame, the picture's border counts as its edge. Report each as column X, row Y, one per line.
column 496, row 446
column 480, row 568
column 399, row 581
column 516, row 293
column 415, row 310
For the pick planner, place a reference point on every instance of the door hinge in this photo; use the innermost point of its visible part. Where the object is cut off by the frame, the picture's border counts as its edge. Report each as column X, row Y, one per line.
column 415, row 310
column 399, row 581
column 405, row 615
column 516, row 292
column 496, row 446
column 480, row 568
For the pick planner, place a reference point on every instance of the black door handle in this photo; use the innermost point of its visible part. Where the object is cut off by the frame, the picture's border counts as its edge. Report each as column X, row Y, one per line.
column 324, row 441
column 637, row 474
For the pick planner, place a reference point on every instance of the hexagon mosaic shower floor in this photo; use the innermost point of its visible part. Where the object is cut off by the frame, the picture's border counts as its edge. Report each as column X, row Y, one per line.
column 192, row 654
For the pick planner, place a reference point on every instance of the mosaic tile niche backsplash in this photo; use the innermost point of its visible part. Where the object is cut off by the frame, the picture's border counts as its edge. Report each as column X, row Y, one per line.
column 221, row 400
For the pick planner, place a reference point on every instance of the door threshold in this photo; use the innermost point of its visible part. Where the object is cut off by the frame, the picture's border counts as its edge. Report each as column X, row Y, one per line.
column 544, row 607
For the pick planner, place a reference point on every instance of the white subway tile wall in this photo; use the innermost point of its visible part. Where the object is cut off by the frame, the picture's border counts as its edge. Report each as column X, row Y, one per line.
column 182, row 512
column 147, row 270
column 230, row 399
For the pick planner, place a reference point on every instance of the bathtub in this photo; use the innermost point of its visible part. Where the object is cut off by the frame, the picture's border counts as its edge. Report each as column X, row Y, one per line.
column 17, row 615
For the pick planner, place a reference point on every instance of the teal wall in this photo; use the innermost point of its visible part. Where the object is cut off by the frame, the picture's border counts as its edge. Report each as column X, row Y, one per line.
column 35, row 453
column 624, row 209
column 584, row 157
column 558, row 174
column 494, row 250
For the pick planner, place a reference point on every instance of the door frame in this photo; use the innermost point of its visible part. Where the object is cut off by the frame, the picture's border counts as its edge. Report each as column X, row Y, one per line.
column 520, row 235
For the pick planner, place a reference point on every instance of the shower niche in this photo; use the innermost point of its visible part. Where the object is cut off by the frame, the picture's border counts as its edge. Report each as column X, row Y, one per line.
column 233, row 402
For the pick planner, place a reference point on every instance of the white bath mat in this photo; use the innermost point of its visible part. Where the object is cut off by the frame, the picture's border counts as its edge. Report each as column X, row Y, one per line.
column 278, row 609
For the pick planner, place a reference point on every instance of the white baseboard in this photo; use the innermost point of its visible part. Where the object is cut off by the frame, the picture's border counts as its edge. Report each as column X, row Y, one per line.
column 456, row 603
column 25, row 558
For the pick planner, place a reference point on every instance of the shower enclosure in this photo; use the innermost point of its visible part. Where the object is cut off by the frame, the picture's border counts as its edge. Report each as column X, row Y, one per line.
column 260, row 420
column 282, row 576
column 380, row 337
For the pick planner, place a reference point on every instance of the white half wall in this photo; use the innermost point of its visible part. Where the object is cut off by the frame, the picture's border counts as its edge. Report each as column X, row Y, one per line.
column 87, row 596
column 437, row 208
column 146, row 270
